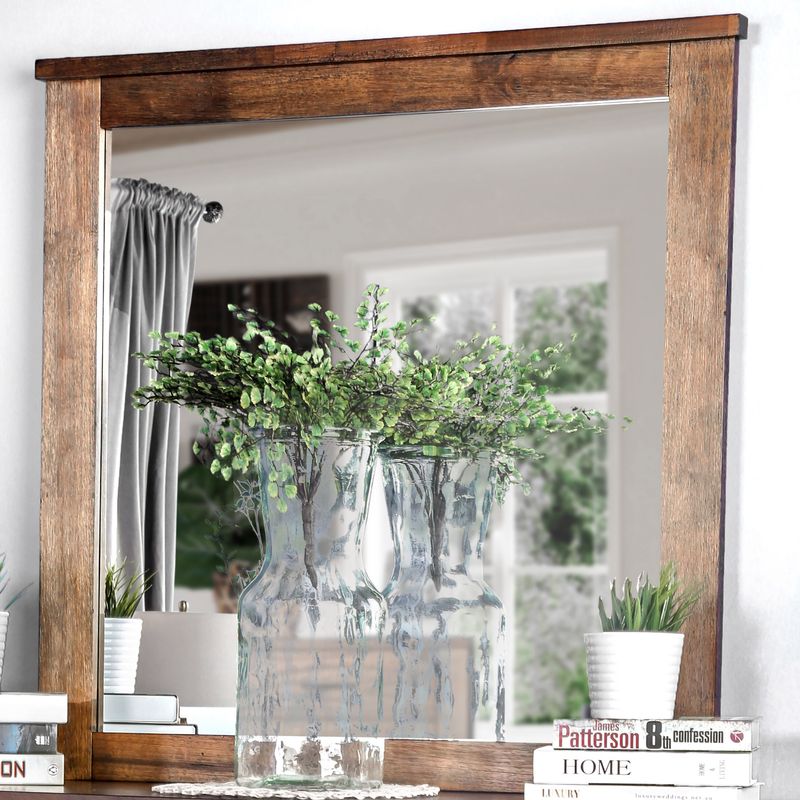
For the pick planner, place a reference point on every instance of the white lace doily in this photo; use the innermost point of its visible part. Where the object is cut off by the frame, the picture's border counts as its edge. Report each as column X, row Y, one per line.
column 388, row 791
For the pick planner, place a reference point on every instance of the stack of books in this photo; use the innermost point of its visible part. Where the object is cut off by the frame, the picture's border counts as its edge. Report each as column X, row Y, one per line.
column 143, row 713
column 676, row 759
column 29, row 739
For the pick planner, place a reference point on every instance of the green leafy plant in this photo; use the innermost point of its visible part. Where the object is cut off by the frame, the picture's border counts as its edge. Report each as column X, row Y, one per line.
column 663, row 607
column 483, row 396
column 258, row 387
column 124, row 593
column 4, row 580
column 219, row 526
column 486, row 395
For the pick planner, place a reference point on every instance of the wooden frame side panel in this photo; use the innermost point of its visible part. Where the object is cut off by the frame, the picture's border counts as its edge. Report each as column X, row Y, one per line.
column 699, row 229
column 74, row 175
column 382, row 87
column 515, row 41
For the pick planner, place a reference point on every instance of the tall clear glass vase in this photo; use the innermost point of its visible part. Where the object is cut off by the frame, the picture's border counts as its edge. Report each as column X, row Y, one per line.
column 311, row 623
column 446, row 624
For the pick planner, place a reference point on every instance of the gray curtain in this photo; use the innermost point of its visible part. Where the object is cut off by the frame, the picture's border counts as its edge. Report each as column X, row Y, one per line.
column 153, row 245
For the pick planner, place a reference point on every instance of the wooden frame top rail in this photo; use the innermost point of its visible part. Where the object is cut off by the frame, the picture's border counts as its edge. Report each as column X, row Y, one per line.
column 616, row 33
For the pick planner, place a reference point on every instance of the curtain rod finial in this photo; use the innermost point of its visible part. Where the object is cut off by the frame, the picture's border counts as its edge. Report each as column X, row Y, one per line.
column 213, row 212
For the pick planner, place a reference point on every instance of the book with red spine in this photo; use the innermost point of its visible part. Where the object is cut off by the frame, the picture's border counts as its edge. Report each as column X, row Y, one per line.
column 686, row 733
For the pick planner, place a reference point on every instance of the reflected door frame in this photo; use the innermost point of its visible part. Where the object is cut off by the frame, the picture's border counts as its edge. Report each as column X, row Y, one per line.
column 690, row 61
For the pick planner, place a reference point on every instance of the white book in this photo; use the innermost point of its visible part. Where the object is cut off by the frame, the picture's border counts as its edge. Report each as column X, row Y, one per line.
column 642, row 767
column 211, row 720
column 551, row 791
column 146, row 727
column 33, row 708
column 153, row 708
column 733, row 734
column 18, row 769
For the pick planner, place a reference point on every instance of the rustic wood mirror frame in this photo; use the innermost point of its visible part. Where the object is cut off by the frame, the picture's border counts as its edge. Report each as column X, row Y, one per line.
column 693, row 62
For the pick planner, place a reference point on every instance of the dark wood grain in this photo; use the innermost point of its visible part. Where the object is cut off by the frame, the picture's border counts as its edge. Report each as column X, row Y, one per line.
column 425, row 84
column 159, row 758
column 493, row 766
column 68, row 611
column 699, row 229
column 517, row 41
column 460, row 766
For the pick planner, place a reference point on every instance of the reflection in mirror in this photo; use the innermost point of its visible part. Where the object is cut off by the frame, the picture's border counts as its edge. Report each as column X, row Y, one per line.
column 547, row 223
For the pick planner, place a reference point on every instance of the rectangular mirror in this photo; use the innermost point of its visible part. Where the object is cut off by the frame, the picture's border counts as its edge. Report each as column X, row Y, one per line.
column 545, row 222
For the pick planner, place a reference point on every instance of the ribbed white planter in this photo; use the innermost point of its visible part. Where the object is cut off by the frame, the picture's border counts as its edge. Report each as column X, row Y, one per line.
column 3, row 632
column 121, row 639
column 633, row 675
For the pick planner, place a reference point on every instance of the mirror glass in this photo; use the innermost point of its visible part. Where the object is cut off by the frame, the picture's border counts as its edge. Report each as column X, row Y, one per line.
column 545, row 222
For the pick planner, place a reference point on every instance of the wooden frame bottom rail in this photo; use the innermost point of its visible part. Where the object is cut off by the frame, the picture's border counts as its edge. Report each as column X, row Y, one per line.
column 450, row 765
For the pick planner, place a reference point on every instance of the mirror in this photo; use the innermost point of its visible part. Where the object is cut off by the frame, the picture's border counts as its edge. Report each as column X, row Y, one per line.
column 546, row 222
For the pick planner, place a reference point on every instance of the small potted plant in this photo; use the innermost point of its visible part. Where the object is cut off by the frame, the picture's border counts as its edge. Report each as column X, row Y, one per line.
column 634, row 664
column 4, row 614
column 122, row 633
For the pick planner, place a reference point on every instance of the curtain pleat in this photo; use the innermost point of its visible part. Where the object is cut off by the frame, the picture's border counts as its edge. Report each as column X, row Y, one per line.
column 153, row 247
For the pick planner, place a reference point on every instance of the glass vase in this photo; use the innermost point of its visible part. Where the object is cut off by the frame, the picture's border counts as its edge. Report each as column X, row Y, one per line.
column 446, row 624
column 311, row 623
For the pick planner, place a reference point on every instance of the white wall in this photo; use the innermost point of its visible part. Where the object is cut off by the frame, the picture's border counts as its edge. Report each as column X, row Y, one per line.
column 762, row 636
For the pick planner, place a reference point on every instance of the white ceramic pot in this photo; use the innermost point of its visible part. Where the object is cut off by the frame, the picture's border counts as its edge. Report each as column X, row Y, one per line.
column 121, row 639
column 633, row 675
column 3, row 632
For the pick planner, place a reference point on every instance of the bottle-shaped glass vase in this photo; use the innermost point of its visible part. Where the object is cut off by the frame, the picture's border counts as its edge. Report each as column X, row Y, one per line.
column 446, row 624
column 311, row 623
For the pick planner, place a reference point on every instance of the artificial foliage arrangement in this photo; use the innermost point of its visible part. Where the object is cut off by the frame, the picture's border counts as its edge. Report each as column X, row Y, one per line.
column 124, row 593
column 662, row 607
column 485, row 395
column 4, row 581
column 260, row 388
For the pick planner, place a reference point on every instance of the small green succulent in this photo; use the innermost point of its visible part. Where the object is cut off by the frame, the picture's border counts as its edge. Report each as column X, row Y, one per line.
column 663, row 607
column 4, row 579
column 123, row 594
